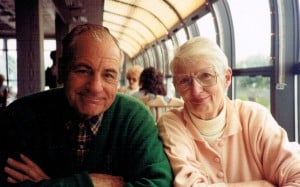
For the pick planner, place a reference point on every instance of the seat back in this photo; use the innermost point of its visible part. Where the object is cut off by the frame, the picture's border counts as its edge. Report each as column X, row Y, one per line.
column 158, row 105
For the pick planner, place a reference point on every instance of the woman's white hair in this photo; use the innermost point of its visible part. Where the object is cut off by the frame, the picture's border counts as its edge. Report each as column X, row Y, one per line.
column 201, row 49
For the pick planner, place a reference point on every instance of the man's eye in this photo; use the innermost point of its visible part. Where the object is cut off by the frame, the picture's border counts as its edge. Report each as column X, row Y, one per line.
column 111, row 77
column 81, row 71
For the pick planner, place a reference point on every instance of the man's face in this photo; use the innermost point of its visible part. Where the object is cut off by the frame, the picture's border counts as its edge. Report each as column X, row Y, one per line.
column 92, row 81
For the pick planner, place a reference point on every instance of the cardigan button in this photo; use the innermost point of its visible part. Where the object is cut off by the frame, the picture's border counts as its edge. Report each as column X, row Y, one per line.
column 220, row 174
column 221, row 144
column 217, row 160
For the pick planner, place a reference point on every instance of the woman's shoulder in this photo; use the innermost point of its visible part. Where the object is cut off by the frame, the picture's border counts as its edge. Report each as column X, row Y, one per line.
column 249, row 106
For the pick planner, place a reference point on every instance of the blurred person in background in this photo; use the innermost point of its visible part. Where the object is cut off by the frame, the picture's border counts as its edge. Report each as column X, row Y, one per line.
column 133, row 77
column 51, row 72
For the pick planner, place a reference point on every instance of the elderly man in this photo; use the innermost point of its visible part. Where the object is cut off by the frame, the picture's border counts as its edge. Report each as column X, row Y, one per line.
column 84, row 134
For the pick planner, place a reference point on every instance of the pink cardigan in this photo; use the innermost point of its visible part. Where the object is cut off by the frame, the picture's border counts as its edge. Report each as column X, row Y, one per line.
column 253, row 147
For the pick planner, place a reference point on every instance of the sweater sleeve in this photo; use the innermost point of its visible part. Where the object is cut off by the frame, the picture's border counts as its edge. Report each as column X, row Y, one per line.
column 279, row 157
column 76, row 180
column 149, row 163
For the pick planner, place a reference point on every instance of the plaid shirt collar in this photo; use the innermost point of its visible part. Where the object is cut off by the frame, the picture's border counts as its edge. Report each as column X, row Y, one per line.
column 93, row 122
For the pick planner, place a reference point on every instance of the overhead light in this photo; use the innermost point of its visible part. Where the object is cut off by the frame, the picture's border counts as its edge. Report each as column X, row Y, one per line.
column 73, row 4
column 79, row 19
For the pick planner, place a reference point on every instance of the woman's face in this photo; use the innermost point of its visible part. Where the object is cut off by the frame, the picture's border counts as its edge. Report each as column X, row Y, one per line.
column 203, row 97
column 133, row 81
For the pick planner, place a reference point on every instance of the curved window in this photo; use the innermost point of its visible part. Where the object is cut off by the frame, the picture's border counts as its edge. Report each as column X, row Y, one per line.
column 252, row 32
column 180, row 37
column 12, row 68
column 2, row 59
column 49, row 45
column 206, row 27
column 256, row 88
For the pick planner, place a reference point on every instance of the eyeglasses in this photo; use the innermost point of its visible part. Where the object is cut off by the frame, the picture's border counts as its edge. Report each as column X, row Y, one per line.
column 204, row 78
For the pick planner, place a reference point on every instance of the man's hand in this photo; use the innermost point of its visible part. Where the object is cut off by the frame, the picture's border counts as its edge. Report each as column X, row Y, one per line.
column 28, row 170
column 104, row 180
column 22, row 171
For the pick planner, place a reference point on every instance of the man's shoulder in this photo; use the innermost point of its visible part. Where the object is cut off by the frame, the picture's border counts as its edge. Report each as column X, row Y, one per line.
column 248, row 107
column 43, row 98
column 128, row 105
column 125, row 99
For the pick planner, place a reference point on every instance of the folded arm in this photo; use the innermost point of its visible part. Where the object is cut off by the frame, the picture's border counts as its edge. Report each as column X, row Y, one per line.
column 27, row 170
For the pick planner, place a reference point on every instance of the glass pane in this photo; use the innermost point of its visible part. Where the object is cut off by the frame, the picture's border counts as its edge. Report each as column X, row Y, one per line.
column 12, row 75
column 252, row 29
column 11, row 44
column 181, row 37
column 12, row 63
column 206, row 27
column 2, row 59
column 1, row 44
column 253, row 89
column 297, row 101
column 49, row 45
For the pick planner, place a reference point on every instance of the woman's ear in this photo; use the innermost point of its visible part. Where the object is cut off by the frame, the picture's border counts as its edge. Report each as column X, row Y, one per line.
column 228, row 76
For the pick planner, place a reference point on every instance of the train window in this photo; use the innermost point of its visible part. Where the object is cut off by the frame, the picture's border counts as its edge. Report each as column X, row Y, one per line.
column 255, row 88
column 1, row 44
column 2, row 58
column 159, row 58
column 206, row 27
column 181, row 36
column 11, row 68
column 150, row 57
column 252, row 31
column 169, row 50
column 49, row 45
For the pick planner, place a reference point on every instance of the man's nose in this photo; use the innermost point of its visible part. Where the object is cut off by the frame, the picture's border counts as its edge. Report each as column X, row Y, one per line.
column 95, row 83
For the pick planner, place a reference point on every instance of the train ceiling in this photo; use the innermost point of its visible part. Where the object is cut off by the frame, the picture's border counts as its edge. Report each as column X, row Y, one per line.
column 135, row 23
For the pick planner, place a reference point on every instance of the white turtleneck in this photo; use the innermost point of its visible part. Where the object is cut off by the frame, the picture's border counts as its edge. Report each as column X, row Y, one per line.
column 212, row 129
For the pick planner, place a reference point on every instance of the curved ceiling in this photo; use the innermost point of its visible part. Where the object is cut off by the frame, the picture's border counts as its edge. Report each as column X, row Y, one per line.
column 139, row 23
column 135, row 23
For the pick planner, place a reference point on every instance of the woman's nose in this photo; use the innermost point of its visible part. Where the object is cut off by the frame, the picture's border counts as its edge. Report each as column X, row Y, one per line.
column 196, row 87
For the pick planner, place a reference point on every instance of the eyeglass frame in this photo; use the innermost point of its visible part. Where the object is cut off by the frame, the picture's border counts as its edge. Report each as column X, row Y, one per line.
column 195, row 76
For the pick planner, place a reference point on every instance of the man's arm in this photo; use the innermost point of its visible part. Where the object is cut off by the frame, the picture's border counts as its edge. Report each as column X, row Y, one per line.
column 27, row 170
column 21, row 171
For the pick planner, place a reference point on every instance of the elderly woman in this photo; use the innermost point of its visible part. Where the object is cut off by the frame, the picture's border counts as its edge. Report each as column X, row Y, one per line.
column 215, row 141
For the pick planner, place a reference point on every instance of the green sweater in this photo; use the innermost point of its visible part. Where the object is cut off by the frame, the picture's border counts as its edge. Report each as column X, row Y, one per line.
column 126, row 145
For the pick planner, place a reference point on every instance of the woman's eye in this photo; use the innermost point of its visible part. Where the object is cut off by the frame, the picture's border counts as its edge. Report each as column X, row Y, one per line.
column 184, row 80
column 206, row 76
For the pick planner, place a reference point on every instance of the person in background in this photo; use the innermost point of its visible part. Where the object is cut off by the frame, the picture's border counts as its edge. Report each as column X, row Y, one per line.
column 133, row 76
column 151, row 83
column 152, row 91
column 84, row 134
column 51, row 72
column 215, row 141
column 3, row 93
